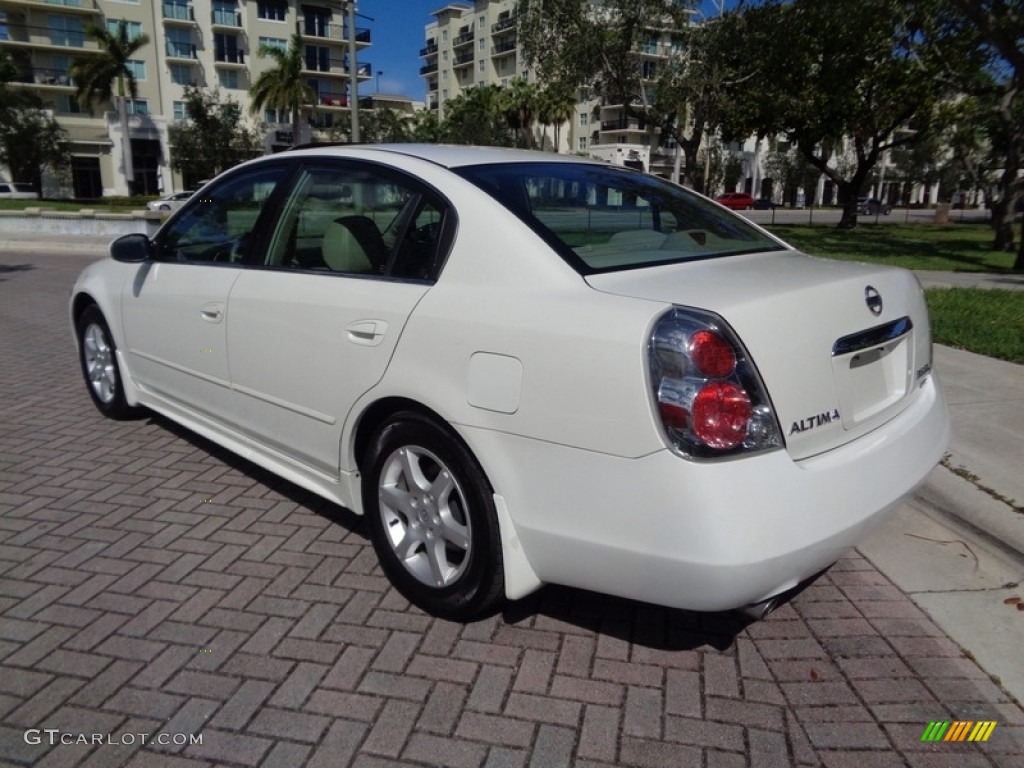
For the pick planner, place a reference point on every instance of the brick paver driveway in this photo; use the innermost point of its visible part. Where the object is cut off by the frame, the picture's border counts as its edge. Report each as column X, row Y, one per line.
column 154, row 588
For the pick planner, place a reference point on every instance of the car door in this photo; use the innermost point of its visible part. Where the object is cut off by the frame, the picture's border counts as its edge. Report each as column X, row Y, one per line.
column 354, row 250
column 175, row 308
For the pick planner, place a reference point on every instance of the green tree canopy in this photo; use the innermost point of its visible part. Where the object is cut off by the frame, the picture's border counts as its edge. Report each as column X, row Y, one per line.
column 836, row 84
column 978, row 46
column 31, row 141
column 213, row 138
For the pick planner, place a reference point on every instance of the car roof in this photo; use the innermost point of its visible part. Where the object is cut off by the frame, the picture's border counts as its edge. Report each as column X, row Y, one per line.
column 445, row 155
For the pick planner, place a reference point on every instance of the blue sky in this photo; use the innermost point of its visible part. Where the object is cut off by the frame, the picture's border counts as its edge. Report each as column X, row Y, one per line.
column 396, row 28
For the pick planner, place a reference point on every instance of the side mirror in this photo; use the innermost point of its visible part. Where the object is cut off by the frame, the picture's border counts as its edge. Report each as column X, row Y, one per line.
column 131, row 248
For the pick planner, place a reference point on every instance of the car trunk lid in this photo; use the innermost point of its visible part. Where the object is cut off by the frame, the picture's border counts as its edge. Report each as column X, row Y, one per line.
column 840, row 346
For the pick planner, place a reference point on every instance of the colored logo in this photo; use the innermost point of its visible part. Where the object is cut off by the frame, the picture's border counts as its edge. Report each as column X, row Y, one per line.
column 959, row 730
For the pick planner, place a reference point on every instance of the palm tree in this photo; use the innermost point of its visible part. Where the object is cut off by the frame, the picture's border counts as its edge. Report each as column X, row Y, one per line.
column 95, row 76
column 560, row 106
column 519, row 103
column 283, row 88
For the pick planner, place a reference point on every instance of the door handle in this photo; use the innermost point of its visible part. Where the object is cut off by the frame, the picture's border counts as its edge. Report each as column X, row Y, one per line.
column 368, row 333
column 212, row 313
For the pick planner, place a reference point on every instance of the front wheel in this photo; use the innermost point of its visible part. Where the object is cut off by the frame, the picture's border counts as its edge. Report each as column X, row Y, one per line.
column 432, row 519
column 97, row 354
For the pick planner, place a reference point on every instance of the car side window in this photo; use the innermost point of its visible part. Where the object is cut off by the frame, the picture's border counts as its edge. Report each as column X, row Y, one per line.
column 356, row 220
column 217, row 225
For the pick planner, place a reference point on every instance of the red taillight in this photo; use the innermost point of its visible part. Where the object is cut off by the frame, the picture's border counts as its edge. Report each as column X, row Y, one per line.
column 709, row 397
column 721, row 414
column 712, row 354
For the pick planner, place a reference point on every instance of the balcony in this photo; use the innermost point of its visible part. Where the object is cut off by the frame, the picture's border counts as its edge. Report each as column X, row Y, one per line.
column 87, row 7
column 337, row 100
column 177, row 50
column 182, row 13
column 52, row 38
column 45, row 76
column 223, row 18
column 317, row 28
column 229, row 57
column 429, row 50
column 426, row 69
column 624, row 124
column 431, row 85
column 463, row 59
column 502, row 24
column 463, row 39
column 503, row 47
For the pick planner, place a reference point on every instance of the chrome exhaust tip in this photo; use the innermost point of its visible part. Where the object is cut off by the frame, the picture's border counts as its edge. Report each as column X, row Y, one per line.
column 757, row 611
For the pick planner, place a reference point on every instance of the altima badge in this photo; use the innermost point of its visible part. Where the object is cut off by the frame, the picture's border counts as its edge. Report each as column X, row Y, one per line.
column 873, row 299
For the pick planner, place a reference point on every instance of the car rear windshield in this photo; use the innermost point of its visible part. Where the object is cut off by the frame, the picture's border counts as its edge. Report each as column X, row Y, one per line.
column 603, row 218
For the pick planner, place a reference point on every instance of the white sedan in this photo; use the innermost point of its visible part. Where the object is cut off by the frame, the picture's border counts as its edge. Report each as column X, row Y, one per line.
column 526, row 368
column 171, row 202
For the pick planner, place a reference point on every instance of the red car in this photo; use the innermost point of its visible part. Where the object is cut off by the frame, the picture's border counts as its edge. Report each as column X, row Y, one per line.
column 737, row 201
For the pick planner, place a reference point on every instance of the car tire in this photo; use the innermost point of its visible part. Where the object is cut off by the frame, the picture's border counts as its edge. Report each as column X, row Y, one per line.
column 164, row 207
column 97, row 354
column 432, row 519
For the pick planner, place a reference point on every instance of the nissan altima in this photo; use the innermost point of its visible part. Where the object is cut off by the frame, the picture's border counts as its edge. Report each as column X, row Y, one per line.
column 526, row 368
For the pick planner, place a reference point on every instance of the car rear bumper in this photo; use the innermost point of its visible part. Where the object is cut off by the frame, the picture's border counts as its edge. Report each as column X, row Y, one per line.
column 706, row 536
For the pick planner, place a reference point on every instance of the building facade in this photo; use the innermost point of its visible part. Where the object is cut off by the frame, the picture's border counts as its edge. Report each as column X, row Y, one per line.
column 207, row 43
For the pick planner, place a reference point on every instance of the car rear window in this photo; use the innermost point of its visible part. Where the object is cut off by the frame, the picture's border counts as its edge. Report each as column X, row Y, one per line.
column 603, row 218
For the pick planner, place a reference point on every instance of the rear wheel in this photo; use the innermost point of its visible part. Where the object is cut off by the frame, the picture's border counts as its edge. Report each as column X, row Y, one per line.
column 97, row 354
column 431, row 515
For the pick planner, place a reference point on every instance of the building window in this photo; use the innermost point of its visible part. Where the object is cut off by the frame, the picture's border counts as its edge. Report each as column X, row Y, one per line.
column 481, row 43
column 137, row 68
column 66, row 30
column 180, row 112
column 481, row 65
column 444, row 35
column 224, row 13
column 181, row 74
column 444, row 55
column 481, row 22
column 177, row 9
column 318, row 58
column 67, row 104
column 179, row 43
column 271, row 10
column 584, row 118
column 132, row 28
column 275, row 116
column 583, row 144
column 228, row 78
column 274, row 42
column 137, row 106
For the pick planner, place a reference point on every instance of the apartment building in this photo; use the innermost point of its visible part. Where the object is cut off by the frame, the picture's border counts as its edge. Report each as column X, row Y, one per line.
column 470, row 44
column 209, row 43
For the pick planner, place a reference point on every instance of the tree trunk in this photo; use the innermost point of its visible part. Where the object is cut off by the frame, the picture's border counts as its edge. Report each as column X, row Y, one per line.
column 126, row 143
column 1002, row 223
column 1018, row 264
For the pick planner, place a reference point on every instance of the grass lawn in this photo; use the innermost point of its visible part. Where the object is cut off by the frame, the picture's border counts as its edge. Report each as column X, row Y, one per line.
column 989, row 322
column 948, row 248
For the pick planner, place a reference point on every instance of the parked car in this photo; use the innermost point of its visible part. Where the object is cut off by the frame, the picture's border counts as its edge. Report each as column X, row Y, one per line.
column 869, row 206
column 525, row 368
column 10, row 190
column 763, row 204
column 171, row 202
column 737, row 201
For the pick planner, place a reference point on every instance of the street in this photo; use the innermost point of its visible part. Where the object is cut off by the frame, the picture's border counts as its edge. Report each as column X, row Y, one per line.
column 153, row 583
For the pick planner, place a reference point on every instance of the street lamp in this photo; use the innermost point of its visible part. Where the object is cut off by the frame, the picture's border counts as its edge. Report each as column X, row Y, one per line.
column 379, row 73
